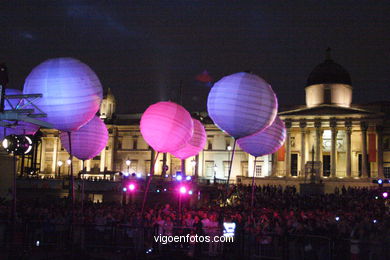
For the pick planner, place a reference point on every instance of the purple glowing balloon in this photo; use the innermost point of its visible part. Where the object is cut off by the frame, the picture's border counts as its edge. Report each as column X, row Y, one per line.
column 265, row 142
column 196, row 143
column 16, row 127
column 88, row 141
column 71, row 92
column 166, row 126
column 242, row 104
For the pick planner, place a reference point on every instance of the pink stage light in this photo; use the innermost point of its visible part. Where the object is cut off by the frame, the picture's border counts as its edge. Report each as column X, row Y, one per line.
column 183, row 190
column 385, row 194
column 131, row 187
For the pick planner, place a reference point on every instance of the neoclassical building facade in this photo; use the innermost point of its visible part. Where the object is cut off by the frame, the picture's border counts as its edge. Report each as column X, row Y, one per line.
column 342, row 140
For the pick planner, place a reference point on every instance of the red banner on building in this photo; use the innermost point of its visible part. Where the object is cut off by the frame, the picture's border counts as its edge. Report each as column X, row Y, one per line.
column 372, row 147
column 281, row 153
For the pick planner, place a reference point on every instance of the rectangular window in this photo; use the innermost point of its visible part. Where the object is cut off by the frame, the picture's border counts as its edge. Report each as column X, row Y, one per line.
column 244, row 168
column 226, row 165
column 209, row 168
column 209, row 145
column 147, row 166
column 258, row 170
column 386, row 172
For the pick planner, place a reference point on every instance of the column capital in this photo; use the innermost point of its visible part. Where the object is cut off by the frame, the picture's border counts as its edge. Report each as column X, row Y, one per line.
column 348, row 123
column 317, row 123
column 333, row 122
column 302, row 123
column 287, row 123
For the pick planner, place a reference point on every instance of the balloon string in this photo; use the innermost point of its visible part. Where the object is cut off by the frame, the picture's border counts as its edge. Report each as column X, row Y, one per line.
column 253, row 187
column 148, row 183
column 230, row 170
column 82, row 187
column 71, row 174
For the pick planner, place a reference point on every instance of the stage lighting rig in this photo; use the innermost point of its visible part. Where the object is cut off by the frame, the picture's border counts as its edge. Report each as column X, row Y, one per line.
column 18, row 144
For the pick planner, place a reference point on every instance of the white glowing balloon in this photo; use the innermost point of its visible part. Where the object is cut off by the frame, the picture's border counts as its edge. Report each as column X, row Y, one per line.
column 265, row 142
column 71, row 92
column 88, row 141
column 242, row 104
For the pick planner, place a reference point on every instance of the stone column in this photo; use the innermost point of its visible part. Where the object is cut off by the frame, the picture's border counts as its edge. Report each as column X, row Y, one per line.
column 379, row 133
column 196, row 173
column 274, row 163
column 183, row 167
column 348, row 126
column 103, row 159
column 302, row 125
column 333, row 127
column 43, row 155
column 113, row 136
column 288, row 147
column 364, row 127
column 164, row 169
column 152, row 155
column 317, row 125
column 54, row 156
column 88, row 165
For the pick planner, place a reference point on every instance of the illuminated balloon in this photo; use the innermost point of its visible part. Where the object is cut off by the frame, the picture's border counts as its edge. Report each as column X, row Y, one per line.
column 166, row 126
column 242, row 104
column 16, row 127
column 71, row 92
column 265, row 142
column 196, row 143
column 88, row 141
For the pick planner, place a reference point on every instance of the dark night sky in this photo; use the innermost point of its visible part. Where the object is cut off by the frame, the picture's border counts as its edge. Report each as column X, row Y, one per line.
column 143, row 49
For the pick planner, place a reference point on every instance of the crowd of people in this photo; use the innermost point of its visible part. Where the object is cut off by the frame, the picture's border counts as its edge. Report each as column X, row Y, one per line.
column 359, row 214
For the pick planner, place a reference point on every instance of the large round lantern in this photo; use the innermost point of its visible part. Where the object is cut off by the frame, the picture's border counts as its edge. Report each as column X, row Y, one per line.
column 16, row 127
column 71, row 92
column 166, row 126
column 242, row 104
column 88, row 141
column 265, row 142
column 196, row 143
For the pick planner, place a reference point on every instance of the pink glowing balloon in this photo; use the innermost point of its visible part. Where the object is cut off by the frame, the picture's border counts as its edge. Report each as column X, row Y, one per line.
column 16, row 127
column 88, row 141
column 196, row 143
column 265, row 142
column 71, row 92
column 242, row 104
column 166, row 126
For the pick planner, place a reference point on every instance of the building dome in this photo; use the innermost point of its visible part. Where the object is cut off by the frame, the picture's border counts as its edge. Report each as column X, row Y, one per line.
column 329, row 72
column 329, row 83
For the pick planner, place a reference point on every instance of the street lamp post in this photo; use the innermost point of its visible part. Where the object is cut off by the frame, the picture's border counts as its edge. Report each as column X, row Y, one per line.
column 59, row 164
column 229, row 148
column 193, row 164
column 68, row 162
column 128, row 162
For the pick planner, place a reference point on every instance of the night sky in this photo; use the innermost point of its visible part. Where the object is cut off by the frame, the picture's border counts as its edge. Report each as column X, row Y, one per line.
column 142, row 50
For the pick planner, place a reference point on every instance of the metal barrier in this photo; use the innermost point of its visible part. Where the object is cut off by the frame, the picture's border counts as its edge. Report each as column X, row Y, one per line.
column 138, row 241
